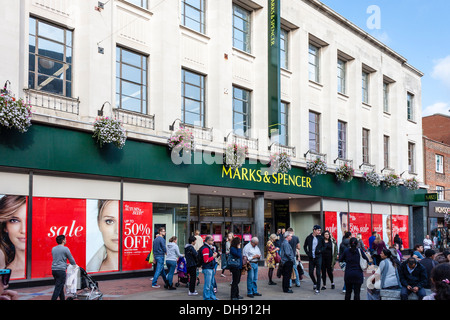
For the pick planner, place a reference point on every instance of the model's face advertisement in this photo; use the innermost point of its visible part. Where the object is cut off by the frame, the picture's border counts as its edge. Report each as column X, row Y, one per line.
column 94, row 233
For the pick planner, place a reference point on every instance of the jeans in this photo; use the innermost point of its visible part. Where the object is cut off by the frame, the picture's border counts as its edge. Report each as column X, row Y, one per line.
column 252, row 279
column 315, row 263
column 297, row 279
column 208, row 290
column 404, row 293
column 159, row 270
column 171, row 266
column 60, row 281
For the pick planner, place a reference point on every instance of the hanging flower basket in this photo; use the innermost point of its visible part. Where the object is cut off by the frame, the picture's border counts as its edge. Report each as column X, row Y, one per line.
column 372, row 178
column 316, row 167
column 345, row 173
column 411, row 184
column 14, row 113
column 280, row 162
column 108, row 130
column 235, row 155
column 182, row 140
column 391, row 180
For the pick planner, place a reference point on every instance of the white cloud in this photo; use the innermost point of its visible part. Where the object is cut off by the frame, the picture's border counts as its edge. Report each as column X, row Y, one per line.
column 438, row 107
column 441, row 71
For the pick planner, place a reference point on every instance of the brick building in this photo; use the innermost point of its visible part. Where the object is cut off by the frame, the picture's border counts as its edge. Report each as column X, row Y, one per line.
column 436, row 144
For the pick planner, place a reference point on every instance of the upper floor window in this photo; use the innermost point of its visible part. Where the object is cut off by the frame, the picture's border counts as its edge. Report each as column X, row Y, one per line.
column 284, row 127
column 386, row 97
column 410, row 106
column 341, row 75
column 314, row 61
column 241, row 112
column 342, row 140
column 284, row 49
column 193, row 14
column 314, row 131
column 386, row 142
column 365, row 87
column 140, row 3
column 50, row 58
column 439, row 163
column 365, row 145
column 193, row 98
column 131, row 80
column 241, row 28
column 411, row 157
column 440, row 191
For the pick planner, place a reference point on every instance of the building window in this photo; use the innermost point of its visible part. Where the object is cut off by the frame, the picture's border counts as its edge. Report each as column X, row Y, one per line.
column 241, row 28
column 284, row 127
column 314, row 131
column 439, row 163
column 342, row 140
column 131, row 80
column 410, row 106
column 139, row 3
column 193, row 14
column 440, row 191
column 193, row 98
column 365, row 145
column 284, row 49
column 386, row 151
column 411, row 157
column 50, row 58
column 341, row 74
column 365, row 87
column 386, row 97
column 241, row 112
column 314, row 68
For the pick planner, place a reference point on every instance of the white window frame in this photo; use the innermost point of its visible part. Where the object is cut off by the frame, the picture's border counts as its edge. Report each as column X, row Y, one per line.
column 441, row 193
column 439, row 160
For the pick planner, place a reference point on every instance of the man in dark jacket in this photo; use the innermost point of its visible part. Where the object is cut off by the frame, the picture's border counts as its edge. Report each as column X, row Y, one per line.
column 287, row 261
column 429, row 263
column 413, row 277
column 314, row 244
column 191, row 264
column 293, row 243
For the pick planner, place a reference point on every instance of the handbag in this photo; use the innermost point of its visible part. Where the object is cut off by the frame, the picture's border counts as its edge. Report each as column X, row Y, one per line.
column 233, row 262
column 362, row 262
column 150, row 257
column 277, row 258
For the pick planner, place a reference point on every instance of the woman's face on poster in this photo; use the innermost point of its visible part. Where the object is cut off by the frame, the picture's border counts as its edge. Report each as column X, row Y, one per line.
column 109, row 225
column 16, row 227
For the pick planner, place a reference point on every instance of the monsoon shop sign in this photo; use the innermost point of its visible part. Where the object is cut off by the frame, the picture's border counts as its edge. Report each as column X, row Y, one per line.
column 264, row 176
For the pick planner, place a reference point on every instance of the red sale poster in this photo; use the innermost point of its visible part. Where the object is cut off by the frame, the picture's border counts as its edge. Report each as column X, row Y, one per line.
column 53, row 217
column 137, row 235
column 400, row 227
column 361, row 223
column 331, row 223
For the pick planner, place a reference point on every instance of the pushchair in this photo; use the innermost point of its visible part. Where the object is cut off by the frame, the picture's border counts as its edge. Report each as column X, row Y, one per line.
column 86, row 288
column 183, row 276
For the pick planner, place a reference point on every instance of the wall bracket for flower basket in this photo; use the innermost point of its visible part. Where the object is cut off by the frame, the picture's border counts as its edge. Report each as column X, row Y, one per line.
column 313, row 155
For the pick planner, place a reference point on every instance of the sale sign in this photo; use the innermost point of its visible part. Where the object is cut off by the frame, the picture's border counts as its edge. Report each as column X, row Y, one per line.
column 361, row 223
column 400, row 227
column 53, row 217
column 331, row 223
column 137, row 234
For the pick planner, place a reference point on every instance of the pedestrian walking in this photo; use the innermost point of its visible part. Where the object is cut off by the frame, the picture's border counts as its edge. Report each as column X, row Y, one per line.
column 208, row 256
column 427, row 243
column 353, row 275
column 60, row 254
column 287, row 261
column 385, row 277
column 253, row 254
column 440, row 277
column 371, row 240
column 199, row 240
column 272, row 252
column 361, row 242
column 399, row 241
column 313, row 247
column 235, row 269
column 173, row 253
column 159, row 253
column 191, row 264
column 329, row 258
column 345, row 244
column 413, row 277
column 294, row 243
column 230, row 237
column 378, row 245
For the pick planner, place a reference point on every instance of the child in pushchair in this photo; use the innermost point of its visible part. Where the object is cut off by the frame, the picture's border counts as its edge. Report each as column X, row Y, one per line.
column 183, row 276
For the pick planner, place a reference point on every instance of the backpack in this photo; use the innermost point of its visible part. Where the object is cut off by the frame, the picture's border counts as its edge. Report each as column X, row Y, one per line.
column 200, row 256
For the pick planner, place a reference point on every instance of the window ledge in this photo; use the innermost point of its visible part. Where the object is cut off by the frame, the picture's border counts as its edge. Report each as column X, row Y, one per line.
column 412, row 121
column 241, row 52
column 197, row 33
column 314, row 83
column 143, row 10
column 364, row 104
column 343, row 95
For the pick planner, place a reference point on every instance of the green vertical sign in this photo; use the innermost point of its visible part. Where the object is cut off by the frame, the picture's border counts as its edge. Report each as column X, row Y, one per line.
column 274, row 79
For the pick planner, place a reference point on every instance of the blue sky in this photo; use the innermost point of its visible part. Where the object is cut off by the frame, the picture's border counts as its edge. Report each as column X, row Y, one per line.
column 419, row 30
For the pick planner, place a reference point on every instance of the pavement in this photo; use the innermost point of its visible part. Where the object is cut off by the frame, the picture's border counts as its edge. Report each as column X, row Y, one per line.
column 140, row 289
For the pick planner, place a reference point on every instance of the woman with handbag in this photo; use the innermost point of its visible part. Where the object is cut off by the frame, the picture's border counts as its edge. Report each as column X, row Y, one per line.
column 272, row 256
column 235, row 266
column 353, row 275
column 329, row 256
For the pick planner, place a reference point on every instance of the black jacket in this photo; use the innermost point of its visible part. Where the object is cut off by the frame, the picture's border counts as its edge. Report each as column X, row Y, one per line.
column 308, row 245
column 418, row 278
column 191, row 256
